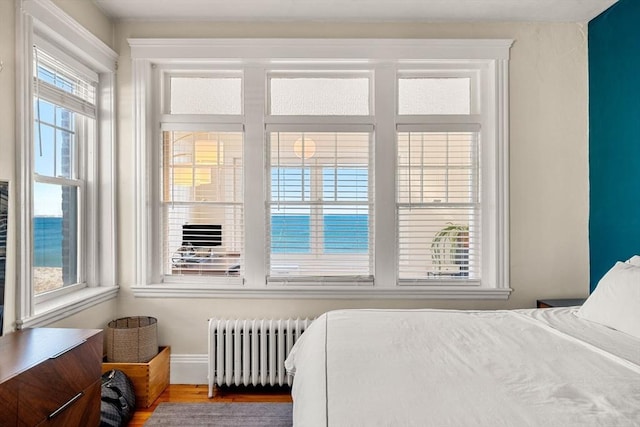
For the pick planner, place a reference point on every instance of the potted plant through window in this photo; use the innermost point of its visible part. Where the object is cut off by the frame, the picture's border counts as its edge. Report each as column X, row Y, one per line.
column 450, row 250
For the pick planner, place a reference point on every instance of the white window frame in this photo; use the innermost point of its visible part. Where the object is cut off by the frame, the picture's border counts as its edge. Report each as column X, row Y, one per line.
column 160, row 77
column 42, row 20
column 384, row 57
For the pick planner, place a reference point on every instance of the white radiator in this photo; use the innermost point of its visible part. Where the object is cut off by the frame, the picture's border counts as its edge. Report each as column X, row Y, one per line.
column 251, row 352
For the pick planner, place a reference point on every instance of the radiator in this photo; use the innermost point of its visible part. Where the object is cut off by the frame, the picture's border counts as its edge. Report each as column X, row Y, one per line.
column 251, row 352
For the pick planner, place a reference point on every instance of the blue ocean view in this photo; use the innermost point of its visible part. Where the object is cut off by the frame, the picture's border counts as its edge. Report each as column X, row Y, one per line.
column 47, row 241
column 289, row 234
column 342, row 233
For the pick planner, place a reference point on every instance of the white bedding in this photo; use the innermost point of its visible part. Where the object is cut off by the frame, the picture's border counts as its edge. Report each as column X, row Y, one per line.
column 463, row 368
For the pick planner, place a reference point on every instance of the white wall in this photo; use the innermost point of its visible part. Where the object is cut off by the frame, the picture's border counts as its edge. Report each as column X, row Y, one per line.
column 549, row 170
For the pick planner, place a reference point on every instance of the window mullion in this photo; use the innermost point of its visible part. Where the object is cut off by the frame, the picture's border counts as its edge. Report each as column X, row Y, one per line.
column 254, row 175
column 383, row 178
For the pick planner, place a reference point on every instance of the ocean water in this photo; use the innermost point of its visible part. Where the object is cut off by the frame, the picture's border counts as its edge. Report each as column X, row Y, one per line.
column 289, row 234
column 341, row 234
column 47, row 241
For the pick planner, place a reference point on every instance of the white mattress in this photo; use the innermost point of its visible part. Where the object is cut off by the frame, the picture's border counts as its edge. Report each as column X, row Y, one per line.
column 464, row 368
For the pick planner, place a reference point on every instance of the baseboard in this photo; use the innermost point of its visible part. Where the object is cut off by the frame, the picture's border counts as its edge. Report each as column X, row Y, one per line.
column 188, row 369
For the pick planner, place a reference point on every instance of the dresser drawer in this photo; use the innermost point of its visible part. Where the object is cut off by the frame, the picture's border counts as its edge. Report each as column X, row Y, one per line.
column 47, row 387
column 81, row 411
column 9, row 403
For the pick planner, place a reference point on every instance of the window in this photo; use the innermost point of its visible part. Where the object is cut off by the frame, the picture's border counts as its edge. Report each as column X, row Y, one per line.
column 320, row 203
column 434, row 95
column 381, row 176
column 320, row 206
column 205, row 95
column 438, row 205
column 64, row 124
column 322, row 95
column 202, row 200
column 202, row 177
column 65, row 141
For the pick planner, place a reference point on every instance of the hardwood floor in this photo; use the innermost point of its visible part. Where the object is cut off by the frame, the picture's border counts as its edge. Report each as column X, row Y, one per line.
column 198, row 394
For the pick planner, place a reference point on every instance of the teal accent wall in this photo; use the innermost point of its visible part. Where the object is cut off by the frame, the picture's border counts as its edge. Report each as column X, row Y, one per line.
column 614, row 136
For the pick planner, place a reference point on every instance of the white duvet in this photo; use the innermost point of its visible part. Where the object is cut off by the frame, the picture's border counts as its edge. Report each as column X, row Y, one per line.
column 459, row 368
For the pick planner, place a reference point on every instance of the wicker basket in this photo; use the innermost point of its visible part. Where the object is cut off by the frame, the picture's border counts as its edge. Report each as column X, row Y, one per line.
column 132, row 339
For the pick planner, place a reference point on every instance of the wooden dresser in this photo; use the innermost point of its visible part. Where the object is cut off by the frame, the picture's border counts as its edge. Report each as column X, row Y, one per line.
column 50, row 377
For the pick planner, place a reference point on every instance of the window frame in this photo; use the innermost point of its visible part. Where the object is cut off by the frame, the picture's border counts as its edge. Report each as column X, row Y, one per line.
column 79, row 176
column 42, row 22
column 159, row 78
column 381, row 57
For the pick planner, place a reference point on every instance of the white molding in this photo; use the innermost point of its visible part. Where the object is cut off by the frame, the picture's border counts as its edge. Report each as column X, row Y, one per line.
column 308, row 292
column 141, row 122
column 107, row 185
column 502, row 135
column 60, row 308
column 188, row 369
column 57, row 25
column 245, row 50
column 24, row 126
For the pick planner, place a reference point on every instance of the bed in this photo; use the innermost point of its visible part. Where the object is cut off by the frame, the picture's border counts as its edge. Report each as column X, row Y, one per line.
column 536, row 367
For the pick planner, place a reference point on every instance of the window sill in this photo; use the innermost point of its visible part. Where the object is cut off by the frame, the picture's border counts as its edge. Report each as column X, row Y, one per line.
column 195, row 290
column 64, row 306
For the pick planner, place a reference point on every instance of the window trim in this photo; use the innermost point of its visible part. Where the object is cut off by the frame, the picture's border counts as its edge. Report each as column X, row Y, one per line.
column 257, row 57
column 41, row 19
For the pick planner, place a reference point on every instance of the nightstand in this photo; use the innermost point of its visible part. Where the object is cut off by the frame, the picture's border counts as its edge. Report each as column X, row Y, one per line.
column 560, row 302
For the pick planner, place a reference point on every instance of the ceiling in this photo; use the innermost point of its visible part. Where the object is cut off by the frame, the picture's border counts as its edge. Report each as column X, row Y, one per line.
column 355, row 10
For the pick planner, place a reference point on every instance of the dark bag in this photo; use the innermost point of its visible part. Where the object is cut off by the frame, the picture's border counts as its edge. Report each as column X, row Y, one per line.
column 118, row 399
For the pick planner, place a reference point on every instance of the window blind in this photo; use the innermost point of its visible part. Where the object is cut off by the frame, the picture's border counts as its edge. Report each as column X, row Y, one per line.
column 203, row 203
column 320, row 206
column 438, row 205
column 60, row 84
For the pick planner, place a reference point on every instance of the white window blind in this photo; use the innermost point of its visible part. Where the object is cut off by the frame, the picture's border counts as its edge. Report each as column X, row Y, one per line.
column 59, row 83
column 203, row 203
column 320, row 206
column 438, row 204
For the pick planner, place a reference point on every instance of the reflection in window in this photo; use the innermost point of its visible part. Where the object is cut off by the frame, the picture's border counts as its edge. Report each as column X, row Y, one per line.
column 202, row 185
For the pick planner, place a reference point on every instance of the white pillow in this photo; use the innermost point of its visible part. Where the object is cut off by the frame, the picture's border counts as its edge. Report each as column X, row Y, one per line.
column 616, row 300
column 635, row 260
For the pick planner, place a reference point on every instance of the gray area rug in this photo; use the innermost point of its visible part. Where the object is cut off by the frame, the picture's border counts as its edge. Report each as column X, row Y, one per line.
column 222, row 415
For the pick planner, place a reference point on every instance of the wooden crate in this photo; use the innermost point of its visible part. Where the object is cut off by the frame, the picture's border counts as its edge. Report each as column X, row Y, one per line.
column 149, row 379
